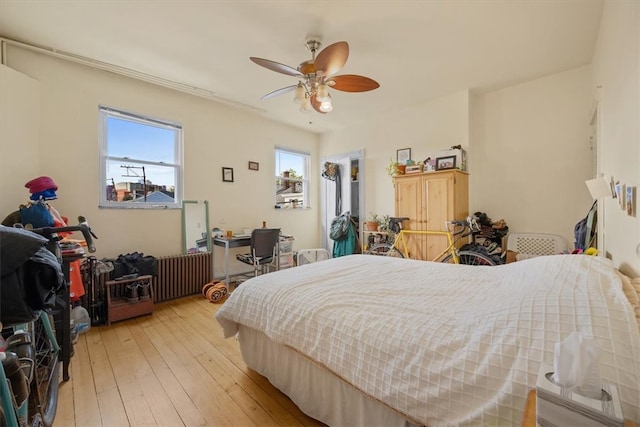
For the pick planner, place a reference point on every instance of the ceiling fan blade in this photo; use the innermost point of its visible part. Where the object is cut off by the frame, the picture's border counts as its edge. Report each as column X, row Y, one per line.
column 280, row 91
column 332, row 58
column 276, row 66
column 316, row 104
column 352, row 83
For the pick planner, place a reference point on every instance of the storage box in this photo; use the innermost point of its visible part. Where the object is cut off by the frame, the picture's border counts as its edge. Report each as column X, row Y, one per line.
column 413, row 169
column 557, row 406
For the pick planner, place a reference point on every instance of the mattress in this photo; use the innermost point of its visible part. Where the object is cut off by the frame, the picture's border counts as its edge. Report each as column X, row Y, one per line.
column 444, row 344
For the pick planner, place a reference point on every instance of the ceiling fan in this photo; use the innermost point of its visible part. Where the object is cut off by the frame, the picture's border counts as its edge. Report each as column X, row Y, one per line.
column 317, row 75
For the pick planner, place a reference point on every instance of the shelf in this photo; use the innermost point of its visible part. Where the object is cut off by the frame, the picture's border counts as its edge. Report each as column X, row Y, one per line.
column 118, row 308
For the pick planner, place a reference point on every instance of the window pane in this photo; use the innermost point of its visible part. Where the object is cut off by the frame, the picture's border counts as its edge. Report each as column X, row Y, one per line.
column 291, row 177
column 139, row 141
column 290, row 162
column 141, row 161
column 128, row 180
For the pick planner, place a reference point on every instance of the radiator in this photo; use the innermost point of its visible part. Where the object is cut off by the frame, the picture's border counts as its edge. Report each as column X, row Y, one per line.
column 181, row 275
column 178, row 276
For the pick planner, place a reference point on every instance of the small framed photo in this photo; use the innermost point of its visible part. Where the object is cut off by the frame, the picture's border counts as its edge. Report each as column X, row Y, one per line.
column 254, row 166
column 443, row 163
column 631, row 200
column 227, row 174
column 403, row 155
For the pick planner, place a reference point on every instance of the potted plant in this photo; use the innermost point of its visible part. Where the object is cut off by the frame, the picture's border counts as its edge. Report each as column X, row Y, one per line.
column 372, row 223
column 384, row 223
column 394, row 168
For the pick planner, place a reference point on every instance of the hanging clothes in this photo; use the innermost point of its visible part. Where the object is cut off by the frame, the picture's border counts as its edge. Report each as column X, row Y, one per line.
column 331, row 172
column 347, row 244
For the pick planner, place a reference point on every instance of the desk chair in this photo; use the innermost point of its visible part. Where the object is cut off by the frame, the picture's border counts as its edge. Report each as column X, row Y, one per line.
column 264, row 246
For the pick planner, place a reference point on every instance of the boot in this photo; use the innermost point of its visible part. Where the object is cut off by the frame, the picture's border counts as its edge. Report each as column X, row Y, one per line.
column 132, row 293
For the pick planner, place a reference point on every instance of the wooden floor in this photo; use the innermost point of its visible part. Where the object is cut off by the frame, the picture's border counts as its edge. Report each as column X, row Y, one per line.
column 171, row 368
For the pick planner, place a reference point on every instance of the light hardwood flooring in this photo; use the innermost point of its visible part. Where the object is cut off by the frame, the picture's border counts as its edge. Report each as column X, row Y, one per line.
column 171, row 368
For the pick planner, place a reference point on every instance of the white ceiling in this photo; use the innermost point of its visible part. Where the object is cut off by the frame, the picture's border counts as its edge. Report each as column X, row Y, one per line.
column 416, row 50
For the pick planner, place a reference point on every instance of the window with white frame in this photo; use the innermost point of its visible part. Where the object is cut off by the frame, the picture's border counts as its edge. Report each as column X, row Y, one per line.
column 140, row 161
column 292, row 179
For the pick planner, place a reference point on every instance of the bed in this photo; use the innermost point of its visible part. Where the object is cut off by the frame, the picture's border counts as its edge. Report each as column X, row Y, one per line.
column 363, row 340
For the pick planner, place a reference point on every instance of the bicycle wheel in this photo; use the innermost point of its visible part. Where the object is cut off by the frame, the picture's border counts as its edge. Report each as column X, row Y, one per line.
column 384, row 249
column 470, row 258
column 43, row 397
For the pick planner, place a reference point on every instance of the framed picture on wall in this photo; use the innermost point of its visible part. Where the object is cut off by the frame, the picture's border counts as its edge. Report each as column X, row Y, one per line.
column 443, row 163
column 227, row 174
column 403, row 155
column 254, row 166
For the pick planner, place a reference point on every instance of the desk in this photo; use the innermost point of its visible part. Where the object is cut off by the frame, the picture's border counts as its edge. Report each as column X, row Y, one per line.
column 234, row 242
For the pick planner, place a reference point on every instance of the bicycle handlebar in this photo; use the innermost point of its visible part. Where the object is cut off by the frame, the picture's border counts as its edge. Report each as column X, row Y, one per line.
column 83, row 227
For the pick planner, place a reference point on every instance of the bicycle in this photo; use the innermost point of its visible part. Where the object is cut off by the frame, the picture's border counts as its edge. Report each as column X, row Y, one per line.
column 29, row 380
column 455, row 231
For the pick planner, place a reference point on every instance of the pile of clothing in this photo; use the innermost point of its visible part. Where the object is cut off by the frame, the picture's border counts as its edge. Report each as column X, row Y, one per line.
column 488, row 238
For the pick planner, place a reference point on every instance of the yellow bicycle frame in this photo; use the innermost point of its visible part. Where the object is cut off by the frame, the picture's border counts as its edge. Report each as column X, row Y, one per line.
column 400, row 243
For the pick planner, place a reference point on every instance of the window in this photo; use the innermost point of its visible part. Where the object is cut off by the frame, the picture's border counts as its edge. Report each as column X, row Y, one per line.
column 140, row 161
column 292, row 179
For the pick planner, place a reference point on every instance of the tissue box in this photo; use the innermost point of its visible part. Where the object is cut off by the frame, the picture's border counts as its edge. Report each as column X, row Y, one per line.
column 557, row 406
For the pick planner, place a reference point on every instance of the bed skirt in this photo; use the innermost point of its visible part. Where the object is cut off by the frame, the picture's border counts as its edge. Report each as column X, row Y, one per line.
column 331, row 400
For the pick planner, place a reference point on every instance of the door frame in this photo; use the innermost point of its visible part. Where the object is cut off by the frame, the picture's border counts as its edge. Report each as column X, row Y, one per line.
column 353, row 155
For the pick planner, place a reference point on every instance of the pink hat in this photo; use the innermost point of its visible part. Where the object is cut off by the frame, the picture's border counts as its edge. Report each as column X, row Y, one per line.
column 40, row 184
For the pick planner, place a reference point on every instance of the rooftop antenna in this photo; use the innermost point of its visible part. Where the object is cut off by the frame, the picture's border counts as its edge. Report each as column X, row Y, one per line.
column 144, row 176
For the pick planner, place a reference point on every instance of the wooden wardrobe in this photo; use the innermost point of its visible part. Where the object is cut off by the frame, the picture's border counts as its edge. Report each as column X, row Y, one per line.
column 429, row 199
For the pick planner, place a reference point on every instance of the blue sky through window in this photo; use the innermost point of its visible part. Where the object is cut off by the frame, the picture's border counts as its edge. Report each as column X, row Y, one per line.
column 140, row 142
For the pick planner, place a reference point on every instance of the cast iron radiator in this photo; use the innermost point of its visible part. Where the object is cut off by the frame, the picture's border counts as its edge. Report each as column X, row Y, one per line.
column 178, row 276
column 181, row 275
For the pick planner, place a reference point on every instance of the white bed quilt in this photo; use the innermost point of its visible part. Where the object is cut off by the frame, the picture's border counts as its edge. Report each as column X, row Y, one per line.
column 445, row 344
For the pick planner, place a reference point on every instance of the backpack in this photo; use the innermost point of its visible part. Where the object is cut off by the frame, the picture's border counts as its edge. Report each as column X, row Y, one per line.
column 339, row 227
column 585, row 229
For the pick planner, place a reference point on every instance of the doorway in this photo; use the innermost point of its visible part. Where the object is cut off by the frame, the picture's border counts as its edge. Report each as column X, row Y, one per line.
column 347, row 197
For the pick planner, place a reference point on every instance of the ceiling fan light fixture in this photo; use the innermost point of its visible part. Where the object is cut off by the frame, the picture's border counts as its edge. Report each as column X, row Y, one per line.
column 305, row 105
column 326, row 105
column 317, row 74
column 300, row 94
column 323, row 93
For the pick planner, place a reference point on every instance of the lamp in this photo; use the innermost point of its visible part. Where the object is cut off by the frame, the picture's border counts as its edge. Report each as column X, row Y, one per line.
column 326, row 106
column 314, row 89
column 300, row 94
column 600, row 187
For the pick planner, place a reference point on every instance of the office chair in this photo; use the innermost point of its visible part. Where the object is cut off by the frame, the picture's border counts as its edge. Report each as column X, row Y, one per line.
column 264, row 247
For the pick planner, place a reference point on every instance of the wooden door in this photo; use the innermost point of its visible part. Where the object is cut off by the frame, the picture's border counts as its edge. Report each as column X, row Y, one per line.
column 438, row 207
column 409, row 204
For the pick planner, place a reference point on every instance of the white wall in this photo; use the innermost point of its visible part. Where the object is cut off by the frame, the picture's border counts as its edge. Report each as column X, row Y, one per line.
column 19, row 137
column 616, row 66
column 425, row 128
column 531, row 155
column 528, row 152
column 215, row 135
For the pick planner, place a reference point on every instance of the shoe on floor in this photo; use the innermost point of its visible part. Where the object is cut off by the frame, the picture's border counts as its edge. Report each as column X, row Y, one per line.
column 132, row 293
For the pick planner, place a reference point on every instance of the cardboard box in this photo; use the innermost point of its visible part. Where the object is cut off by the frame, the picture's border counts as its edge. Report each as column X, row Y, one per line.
column 557, row 406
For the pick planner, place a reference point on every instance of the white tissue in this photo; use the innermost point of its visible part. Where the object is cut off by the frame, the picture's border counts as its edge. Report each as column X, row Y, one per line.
column 575, row 365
